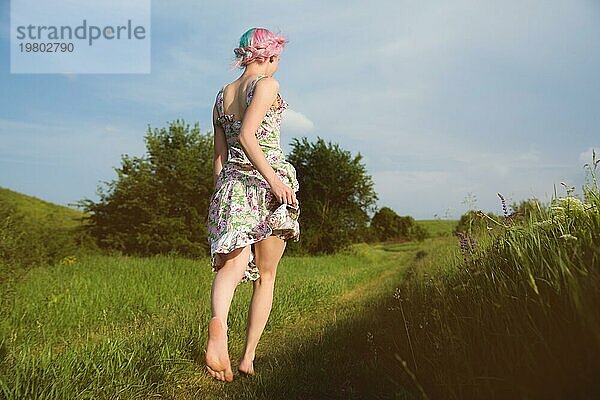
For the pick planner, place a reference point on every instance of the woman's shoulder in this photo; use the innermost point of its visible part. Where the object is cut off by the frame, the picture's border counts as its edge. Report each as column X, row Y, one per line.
column 265, row 82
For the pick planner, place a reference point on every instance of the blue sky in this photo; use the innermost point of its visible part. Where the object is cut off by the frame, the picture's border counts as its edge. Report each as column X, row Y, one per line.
column 444, row 100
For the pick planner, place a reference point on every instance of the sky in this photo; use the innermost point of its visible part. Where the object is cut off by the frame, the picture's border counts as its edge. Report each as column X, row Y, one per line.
column 448, row 102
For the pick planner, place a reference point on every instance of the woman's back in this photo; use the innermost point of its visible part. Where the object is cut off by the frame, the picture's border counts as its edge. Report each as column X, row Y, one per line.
column 230, row 120
column 235, row 96
column 267, row 134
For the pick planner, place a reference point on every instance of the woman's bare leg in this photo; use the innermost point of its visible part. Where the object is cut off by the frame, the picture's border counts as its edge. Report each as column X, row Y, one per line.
column 267, row 254
column 223, row 288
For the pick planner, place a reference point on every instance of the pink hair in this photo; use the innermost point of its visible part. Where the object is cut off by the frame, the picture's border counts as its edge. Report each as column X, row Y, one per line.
column 257, row 44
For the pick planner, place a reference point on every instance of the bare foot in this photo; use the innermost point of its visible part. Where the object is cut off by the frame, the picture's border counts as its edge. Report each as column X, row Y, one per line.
column 217, row 355
column 246, row 366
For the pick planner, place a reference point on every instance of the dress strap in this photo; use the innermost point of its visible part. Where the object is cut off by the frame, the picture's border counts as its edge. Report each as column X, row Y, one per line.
column 251, row 88
column 250, row 91
column 219, row 100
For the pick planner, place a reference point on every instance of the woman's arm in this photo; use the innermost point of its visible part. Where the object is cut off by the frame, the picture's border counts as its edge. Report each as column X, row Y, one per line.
column 265, row 93
column 220, row 146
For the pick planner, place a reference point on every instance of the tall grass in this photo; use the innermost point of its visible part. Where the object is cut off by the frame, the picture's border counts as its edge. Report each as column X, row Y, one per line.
column 127, row 327
column 515, row 314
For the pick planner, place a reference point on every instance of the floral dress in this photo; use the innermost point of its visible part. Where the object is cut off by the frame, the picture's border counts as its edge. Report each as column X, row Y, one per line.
column 242, row 209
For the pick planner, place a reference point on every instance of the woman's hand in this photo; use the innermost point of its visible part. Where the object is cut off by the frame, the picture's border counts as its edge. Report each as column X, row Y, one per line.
column 283, row 193
column 265, row 93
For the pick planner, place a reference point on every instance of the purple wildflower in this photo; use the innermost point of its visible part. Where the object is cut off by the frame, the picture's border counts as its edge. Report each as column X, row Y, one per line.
column 464, row 245
column 472, row 243
column 504, row 209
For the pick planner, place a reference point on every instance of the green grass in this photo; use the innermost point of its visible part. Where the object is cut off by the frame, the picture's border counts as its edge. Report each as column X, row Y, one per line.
column 438, row 227
column 516, row 317
column 133, row 327
column 395, row 320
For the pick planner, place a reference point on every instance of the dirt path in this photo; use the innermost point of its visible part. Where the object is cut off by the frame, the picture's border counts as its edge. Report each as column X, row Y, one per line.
column 304, row 332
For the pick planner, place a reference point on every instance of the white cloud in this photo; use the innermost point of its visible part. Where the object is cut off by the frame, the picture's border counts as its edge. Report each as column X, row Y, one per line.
column 295, row 122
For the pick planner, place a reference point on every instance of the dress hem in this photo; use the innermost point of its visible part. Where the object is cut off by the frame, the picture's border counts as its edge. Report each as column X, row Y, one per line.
column 251, row 272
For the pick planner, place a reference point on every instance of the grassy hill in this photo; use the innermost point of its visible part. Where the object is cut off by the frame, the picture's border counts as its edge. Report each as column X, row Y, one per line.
column 37, row 213
column 36, row 232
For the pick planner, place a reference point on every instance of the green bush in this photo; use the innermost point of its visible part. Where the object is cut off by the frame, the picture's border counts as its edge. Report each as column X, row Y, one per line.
column 159, row 202
column 387, row 225
column 336, row 195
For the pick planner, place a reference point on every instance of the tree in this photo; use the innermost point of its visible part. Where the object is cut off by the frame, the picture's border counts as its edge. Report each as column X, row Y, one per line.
column 387, row 225
column 335, row 195
column 159, row 202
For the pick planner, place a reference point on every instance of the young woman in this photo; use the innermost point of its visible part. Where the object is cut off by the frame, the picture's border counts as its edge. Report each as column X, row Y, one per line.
column 253, row 209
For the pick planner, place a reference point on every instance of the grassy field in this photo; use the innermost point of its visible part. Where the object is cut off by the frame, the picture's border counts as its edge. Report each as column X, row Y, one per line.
column 511, row 313
column 437, row 227
column 119, row 327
